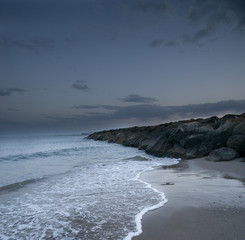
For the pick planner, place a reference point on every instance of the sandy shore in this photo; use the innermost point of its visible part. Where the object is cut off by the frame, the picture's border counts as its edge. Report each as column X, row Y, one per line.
column 206, row 200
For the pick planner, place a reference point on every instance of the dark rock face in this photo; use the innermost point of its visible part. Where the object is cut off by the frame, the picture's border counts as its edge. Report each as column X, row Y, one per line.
column 222, row 154
column 185, row 139
column 237, row 142
column 192, row 140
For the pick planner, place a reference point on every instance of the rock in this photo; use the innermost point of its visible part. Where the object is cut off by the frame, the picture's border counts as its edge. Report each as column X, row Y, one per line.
column 158, row 146
column 185, row 139
column 192, row 140
column 176, row 151
column 176, row 135
column 216, row 139
column 198, row 151
column 204, row 129
column 211, row 120
column 239, row 129
column 222, row 154
column 167, row 183
column 144, row 143
column 132, row 140
column 237, row 142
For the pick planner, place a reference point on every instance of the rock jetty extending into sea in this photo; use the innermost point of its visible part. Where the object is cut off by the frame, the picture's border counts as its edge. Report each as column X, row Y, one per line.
column 217, row 139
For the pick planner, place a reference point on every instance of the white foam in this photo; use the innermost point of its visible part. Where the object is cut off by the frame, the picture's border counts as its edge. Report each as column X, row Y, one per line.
column 139, row 216
column 97, row 200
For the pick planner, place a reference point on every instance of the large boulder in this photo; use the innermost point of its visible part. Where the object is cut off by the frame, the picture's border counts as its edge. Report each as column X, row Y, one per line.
column 176, row 151
column 216, row 139
column 144, row 143
column 132, row 140
column 176, row 135
column 198, row 151
column 228, row 125
column 237, row 142
column 158, row 146
column 239, row 129
column 192, row 140
column 222, row 154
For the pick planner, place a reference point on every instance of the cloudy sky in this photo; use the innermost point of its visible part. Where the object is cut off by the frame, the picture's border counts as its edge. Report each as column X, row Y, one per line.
column 77, row 65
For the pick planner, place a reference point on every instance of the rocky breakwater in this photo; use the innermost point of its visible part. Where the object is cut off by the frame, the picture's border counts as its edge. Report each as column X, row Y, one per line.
column 217, row 139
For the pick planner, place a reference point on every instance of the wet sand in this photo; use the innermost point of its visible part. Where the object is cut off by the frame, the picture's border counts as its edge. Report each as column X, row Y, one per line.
column 206, row 200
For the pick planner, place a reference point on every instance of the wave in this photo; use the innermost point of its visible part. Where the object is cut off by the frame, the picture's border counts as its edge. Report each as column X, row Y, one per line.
column 137, row 158
column 18, row 185
column 73, row 135
column 44, row 154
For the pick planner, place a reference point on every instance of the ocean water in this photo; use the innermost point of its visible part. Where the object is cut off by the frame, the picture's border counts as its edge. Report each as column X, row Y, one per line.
column 69, row 187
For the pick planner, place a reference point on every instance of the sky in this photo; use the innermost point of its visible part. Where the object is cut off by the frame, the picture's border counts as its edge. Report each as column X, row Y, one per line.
column 87, row 65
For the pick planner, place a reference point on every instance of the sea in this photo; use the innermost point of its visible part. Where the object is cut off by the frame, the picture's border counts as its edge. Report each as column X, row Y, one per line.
column 71, row 187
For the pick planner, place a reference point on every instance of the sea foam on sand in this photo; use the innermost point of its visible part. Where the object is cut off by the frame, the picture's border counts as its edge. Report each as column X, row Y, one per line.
column 206, row 201
column 139, row 216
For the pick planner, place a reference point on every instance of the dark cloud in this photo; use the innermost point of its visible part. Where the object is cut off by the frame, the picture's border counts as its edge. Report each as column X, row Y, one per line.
column 12, row 109
column 161, row 42
column 80, row 85
column 206, row 109
column 156, row 43
column 131, row 115
column 42, row 42
column 205, row 17
column 238, row 8
column 34, row 44
column 8, row 43
column 114, row 38
column 153, row 6
column 72, row 40
column 9, row 91
column 147, row 112
column 171, row 44
column 86, row 107
column 92, row 107
column 109, row 107
column 135, row 98
column 214, row 13
column 199, row 35
column 210, row 13
column 141, row 112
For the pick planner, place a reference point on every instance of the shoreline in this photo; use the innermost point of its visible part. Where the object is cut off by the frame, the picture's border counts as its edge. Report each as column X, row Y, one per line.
column 141, row 214
column 205, row 201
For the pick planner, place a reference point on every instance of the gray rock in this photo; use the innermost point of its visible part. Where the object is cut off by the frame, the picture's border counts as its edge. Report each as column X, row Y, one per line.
column 192, row 140
column 237, row 142
column 158, row 146
column 216, row 139
column 144, row 143
column 176, row 151
column 239, row 129
column 222, row 154
column 176, row 135
column 185, row 139
column 198, row 151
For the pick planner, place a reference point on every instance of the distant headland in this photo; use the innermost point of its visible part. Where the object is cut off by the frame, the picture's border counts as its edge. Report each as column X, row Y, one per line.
column 217, row 139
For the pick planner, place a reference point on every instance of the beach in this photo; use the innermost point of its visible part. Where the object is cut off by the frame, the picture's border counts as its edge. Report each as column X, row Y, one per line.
column 206, row 200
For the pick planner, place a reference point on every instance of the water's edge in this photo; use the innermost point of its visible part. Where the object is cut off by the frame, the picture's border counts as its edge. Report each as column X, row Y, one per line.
column 139, row 216
column 59, row 194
